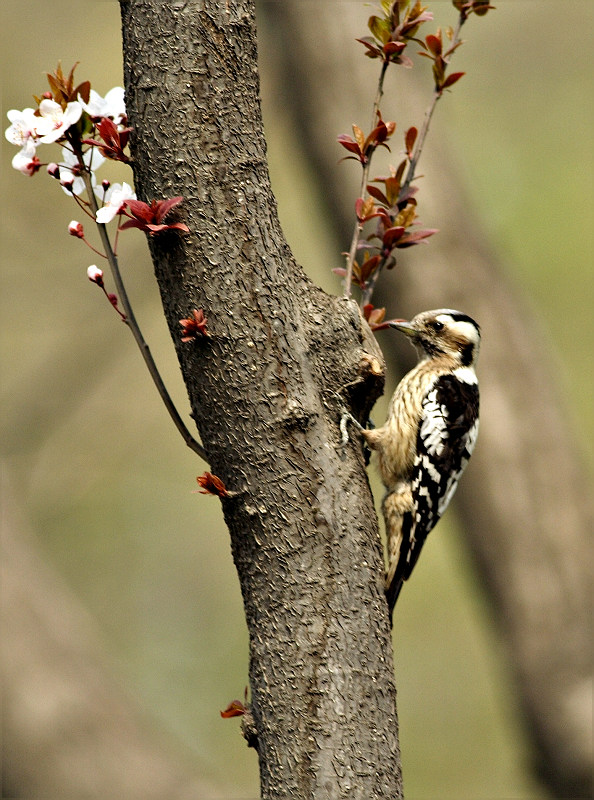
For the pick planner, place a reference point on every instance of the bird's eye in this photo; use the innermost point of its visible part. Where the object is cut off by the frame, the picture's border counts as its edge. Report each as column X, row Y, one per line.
column 437, row 325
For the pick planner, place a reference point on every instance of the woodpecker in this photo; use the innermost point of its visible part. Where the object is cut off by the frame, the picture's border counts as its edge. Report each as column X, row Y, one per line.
column 429, row 435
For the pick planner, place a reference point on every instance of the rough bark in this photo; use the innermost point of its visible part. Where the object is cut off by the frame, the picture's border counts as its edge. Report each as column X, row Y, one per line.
column 303, row 528
column 524, row 501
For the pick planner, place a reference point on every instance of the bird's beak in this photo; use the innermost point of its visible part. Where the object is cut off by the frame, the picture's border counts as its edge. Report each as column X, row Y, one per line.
column 405, row 327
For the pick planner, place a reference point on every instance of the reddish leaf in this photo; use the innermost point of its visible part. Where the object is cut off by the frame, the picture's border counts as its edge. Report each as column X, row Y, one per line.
column 150, row 218
column 140, row 210
column 374, row 316
column 113, row 142
column 235, row 709
column 392, row 235
column 379, row 195
column 367, row 309
column 211, row 484
column 165, row 206
column 368, row 268
column 84, row 90
column 481, row 7
column 378, row 135
column 433, row 44
column 373, row 51
column 400, row 171
column 193, row 327
column 394, row 48
column 410, row 239
column 349, row 144
column 452, row 79
column 410, row 139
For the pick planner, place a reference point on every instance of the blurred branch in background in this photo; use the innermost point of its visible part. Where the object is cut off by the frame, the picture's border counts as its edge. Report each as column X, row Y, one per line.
column 525, row 506
column 70, row 732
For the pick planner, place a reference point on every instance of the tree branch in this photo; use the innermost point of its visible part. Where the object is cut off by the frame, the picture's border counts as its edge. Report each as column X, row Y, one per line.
column 130, row 320
column 352, row 254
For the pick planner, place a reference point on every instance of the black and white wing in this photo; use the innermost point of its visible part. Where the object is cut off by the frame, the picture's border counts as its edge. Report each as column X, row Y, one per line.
column 445, row 440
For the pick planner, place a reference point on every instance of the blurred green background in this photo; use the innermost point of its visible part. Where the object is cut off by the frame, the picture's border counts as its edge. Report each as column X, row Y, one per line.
column 105, row 482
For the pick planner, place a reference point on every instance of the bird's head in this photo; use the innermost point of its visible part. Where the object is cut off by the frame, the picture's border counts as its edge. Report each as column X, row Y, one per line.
column 443, row 332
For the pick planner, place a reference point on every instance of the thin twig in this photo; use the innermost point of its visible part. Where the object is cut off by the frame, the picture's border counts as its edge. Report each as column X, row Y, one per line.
column 414, row 160
column 410, row 173
column 133, row 325
column 364, row 181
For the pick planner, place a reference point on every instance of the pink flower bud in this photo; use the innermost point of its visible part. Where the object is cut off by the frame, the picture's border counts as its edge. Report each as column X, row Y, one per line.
column 67, row 183
column 95, row 275
column 76, row 229
column 105, row 184
column 53, row 170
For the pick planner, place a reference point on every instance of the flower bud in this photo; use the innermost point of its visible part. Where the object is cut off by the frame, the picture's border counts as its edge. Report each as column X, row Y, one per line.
column 95, row 275
column 53, row 170
column 105, row 184
column 67, row 183
column 76, row 229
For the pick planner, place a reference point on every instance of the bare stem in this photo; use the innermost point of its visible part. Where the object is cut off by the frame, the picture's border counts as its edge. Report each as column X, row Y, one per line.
column 418, row 149
column 414, row 160
column 94, row 249
column 136, row 332
column 352, row 254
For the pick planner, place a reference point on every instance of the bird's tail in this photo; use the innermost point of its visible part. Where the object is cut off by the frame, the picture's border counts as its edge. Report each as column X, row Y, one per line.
column 392, row 592
column 396, row 507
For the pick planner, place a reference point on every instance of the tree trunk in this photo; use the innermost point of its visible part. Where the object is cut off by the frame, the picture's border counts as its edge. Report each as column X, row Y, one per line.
column 524, row 500
column 262, row 390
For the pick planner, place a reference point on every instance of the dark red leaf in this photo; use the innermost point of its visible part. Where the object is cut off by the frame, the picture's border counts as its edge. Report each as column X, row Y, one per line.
column 410, row 239
column 349, row 144
column 392, row 235
column 452, row 79
column 211, row 484
column 195, row 326
column 433, row 44
column 84, row 90
column 379, row 195
column 373, row 51
column 368, row 267
column 410, row 139
column 235, row 709
column 165, row 206
column 140, row 210
column 394, row 48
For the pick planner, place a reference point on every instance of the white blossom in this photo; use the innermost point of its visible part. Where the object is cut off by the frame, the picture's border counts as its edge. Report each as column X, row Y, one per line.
column 69, row 168
column 25, row 160
column 95, row 274
column 112, row 105
column 54, row 121
column 75, row 228
column 115, row 197
column 23, row 127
